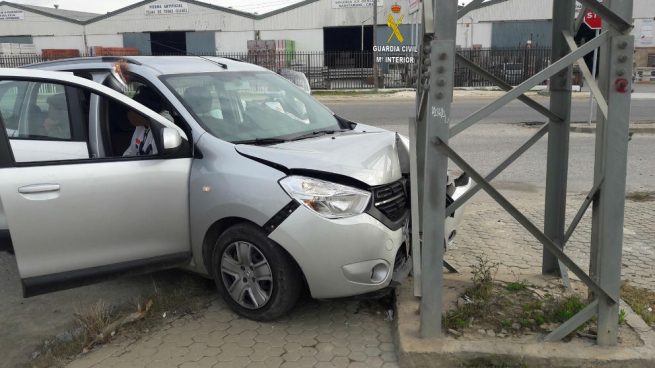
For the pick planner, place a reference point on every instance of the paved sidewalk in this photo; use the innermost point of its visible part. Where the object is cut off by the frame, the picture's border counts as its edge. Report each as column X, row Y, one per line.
column 488, row 230
column 317, row 334
column 358, row 333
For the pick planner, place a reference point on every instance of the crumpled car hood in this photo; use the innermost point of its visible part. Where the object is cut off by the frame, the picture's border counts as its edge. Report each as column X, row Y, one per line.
column 370, row 157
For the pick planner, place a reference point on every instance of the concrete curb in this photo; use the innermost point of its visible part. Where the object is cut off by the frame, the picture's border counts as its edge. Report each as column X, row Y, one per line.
column 642, row 127
column 633, row 129
column 414, row 352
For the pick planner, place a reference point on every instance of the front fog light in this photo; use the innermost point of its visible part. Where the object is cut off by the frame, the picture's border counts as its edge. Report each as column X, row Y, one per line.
column 379, row 273
column 328, row 199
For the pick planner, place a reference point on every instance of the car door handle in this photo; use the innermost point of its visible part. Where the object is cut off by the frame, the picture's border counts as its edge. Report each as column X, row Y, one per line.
column 39, row 188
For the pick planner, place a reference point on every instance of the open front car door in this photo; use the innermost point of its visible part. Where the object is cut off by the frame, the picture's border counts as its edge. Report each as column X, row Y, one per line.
column 76, row 216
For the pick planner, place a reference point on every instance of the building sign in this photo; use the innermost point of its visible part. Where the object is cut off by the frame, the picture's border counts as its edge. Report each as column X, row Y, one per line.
column 344, row 4
column 166, row 9
column 645, row 33
column 12, row 15
column 393, row 25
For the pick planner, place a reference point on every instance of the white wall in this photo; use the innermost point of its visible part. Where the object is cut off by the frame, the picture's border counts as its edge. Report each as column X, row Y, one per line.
column 199, row 18
column 233, row 41
column 37, row 25
column 58, row 42
column 320, row 14
column 115, row 40
column 469, row 34
column 306, row 39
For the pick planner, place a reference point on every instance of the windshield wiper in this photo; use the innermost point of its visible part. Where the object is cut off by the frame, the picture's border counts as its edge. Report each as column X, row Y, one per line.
column 261, row 141
column 316, row 133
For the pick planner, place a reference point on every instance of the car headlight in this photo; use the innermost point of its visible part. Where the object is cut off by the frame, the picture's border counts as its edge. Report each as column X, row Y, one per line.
column 328, row 199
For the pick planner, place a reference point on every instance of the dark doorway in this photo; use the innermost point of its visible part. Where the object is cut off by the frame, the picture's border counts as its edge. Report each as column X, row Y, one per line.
column 347, row 39
column 168, row 43
column 343, row 46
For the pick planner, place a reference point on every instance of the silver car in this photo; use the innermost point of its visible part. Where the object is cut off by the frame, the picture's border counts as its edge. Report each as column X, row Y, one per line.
column 251, row 182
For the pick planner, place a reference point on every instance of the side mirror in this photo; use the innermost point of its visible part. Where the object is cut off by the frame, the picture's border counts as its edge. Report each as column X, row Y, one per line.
column 171, row 140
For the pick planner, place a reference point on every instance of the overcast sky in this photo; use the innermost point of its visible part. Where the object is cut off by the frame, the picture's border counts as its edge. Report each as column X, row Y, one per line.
column 103, row 6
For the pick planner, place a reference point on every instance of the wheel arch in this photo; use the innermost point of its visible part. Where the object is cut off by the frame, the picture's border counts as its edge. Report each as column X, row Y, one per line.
column 219, row 227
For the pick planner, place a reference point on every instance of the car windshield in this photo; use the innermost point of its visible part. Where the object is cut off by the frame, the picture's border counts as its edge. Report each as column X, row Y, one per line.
column 251, row 107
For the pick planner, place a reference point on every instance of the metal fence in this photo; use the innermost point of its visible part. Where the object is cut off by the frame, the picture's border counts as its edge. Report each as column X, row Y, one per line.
column 354, row 69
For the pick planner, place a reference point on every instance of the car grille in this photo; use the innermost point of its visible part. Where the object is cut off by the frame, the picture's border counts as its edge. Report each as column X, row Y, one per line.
column 391, row 200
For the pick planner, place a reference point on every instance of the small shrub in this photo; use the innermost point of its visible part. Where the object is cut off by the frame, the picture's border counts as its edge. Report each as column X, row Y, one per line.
column 566, row 308
column 516, row 286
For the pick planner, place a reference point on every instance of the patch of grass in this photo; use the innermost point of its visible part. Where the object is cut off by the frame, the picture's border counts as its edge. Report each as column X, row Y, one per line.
column 641, row 196
column 517, row 286
column 351, row 93
column 641, row 300
column 176, row 294
column 562, row 310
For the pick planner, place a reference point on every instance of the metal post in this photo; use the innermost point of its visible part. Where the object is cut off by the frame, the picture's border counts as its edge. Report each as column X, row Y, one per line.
column 439, row 100
column 594, row 67
column 558, row 135
column 615, row 80
column 375, row 32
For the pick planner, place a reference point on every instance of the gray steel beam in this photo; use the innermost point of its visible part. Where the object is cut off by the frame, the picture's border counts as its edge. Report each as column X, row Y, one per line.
column 572, row 324
column 413, row 185
column 557, row 166
column 507, row 87
column 440, row 97
column 495, row 172
column 616, row 60
column 524, row 221
column 548, row 72
column 591, row 79
column 615, row 18
column 583, row 209
column 469, row 7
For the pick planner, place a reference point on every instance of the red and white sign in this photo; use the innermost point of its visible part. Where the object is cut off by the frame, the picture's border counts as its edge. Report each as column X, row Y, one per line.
column 414, row 5
column 592, row 20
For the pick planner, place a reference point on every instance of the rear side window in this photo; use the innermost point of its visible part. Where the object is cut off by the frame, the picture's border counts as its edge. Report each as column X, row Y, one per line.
column 11, row 96
column 47, row 111
column 33, row 110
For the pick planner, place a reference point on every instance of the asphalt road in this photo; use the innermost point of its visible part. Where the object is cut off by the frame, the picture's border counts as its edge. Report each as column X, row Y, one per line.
column 485, row 145
column 393, row 111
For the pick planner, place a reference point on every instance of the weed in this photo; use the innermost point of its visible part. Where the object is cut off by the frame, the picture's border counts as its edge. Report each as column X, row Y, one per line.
column 641, row 300
column 640, row 196
column 565, row 308
column 478, row 294
column 483, row 273
column 179, row 294
column 517, row 286
column 93, row 320
column 622, row 315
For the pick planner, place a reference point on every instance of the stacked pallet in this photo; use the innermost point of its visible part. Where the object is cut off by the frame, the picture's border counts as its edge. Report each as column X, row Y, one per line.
column 7, row 48
column 54, row 54
column 271, row 54
column 113, row 51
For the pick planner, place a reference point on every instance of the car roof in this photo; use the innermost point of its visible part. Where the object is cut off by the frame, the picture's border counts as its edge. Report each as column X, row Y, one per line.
column 162, row 65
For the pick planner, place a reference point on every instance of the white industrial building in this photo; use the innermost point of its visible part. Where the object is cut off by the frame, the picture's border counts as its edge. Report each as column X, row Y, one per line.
column 158, row 26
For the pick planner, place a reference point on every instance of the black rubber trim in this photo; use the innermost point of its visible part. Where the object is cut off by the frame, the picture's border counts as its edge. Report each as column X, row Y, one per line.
column 392, row 225
column 265, row 162
column 6, row 157
column 5, row 241
column 279, row 217
column 38, row 285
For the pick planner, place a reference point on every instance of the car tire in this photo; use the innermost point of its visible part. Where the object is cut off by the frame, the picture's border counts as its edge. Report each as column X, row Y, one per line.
column 254, row 275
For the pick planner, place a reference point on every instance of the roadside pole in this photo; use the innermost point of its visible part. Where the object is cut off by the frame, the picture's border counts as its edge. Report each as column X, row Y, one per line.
column 375, row 62
column 592, row 100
